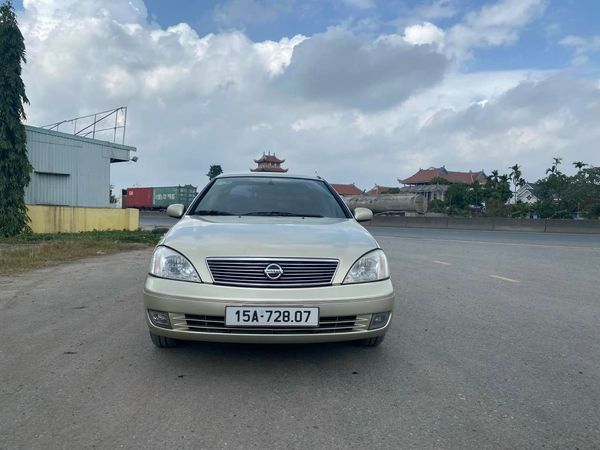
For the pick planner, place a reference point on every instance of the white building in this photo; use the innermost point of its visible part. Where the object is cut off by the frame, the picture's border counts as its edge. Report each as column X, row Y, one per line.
column 525, row 194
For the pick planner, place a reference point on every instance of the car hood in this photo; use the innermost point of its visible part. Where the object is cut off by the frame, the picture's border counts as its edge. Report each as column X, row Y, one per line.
column 198, row 238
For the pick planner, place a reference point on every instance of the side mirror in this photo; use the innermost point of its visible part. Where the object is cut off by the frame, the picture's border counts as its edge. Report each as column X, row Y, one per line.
column 363, row 214
column 176, row 210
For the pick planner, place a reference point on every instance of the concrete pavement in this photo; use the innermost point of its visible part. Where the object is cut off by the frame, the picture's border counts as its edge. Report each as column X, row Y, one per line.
column 494, row 345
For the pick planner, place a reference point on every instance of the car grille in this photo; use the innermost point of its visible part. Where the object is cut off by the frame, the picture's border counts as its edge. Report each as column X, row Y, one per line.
column 216, row 324
column 251, row 272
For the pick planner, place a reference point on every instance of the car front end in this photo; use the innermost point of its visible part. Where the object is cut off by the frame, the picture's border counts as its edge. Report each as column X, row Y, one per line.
column 268, row 278
column 197, row 311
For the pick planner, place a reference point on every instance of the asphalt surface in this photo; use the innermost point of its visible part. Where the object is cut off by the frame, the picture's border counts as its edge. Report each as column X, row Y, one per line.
column 155, row 219
column 494, row 345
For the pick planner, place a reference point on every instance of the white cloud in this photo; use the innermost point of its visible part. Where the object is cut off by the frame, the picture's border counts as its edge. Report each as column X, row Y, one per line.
column 317, row 122
column 529, row 124
column 54, row 11
column 494, row 24
column 340, row 68
column 351, row 107
column 582, row 47
column 277, row 55
column 427, row 33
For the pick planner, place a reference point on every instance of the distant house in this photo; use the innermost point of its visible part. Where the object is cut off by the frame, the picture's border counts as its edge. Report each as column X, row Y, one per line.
column 347, row 189
column 378, row 190
column 525, row 194
column 426, row 181
column 269, row 163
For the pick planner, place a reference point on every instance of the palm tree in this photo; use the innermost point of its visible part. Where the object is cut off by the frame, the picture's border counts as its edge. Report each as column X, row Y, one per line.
column 516, row 178
column 554, row 169
column 494, row 176
column 580, row 165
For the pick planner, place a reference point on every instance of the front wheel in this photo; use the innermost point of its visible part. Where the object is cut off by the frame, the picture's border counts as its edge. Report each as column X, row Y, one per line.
column 371, row 342
column 163, row 341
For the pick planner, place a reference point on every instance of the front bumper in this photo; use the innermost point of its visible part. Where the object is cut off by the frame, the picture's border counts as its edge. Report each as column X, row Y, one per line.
column 182, row 300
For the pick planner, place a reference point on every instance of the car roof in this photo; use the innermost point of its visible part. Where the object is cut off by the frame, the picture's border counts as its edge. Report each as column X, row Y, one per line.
column 268, row 175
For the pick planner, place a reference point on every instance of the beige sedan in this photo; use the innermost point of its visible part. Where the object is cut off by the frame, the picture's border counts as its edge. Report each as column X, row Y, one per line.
column 268, row 258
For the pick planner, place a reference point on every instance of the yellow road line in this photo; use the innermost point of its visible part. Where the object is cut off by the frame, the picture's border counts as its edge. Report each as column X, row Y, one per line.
column 441, row 262
column 505, row 278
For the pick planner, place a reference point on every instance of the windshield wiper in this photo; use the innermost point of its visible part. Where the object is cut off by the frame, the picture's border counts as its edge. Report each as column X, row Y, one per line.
column 279, row 213
column 211, row 212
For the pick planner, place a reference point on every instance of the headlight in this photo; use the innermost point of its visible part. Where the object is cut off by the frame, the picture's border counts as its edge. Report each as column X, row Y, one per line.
column 371, row 267
column 167, row 263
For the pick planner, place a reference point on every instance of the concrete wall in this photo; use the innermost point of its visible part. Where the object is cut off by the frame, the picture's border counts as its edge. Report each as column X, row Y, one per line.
column 66, row 219
column 490, row 224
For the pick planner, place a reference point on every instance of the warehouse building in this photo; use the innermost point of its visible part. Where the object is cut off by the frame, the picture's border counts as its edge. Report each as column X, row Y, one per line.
column 69, row 189
column 71, row 170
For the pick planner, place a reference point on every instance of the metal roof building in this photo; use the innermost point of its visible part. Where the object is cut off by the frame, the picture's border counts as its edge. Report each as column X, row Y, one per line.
column 70, row 170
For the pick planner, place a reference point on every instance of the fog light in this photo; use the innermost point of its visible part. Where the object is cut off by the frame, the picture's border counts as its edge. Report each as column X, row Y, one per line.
column 378, row 320
column 160, row 318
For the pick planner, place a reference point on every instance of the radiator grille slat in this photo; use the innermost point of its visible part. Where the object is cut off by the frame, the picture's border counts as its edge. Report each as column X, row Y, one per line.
column 216, row 324
column 251, row 272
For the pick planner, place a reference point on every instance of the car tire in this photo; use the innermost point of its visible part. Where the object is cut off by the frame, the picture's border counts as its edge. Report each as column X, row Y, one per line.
column 371, row 342
column 163, row 341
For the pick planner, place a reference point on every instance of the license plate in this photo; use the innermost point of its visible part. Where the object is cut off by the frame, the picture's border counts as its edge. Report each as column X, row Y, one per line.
column 267, row 316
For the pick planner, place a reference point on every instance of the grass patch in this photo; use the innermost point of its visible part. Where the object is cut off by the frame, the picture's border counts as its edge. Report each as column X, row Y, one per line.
column 30, row 251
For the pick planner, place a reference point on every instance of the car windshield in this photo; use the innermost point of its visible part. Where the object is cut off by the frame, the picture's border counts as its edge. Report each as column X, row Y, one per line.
column 269, row 196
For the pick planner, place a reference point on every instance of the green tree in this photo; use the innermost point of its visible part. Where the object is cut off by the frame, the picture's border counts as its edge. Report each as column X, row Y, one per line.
column 551, row 192
column 493, row 176
column 517, row 179
column 214, row 171
column 582, row 193
column 496, row 193
column 554, row 169
column 562, row 196
column 456, row 197
column 437, row 206
column 15, row 168
column 474, row 195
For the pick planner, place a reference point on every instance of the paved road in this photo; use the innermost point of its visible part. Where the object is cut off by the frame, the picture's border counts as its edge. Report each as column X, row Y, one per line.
column 494, row 345
column 154, row 219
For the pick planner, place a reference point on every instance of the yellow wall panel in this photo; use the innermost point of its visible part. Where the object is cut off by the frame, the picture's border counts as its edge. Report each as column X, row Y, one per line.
column 67, row 219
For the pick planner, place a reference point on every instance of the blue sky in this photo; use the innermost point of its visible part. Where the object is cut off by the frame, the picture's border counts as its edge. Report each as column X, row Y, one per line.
column 364, row 91
column 273, row 19
column 538, row 44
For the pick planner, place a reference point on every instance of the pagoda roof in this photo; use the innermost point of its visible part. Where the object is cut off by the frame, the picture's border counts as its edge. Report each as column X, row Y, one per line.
column 424, row 176
column 269, row 169
column 269, row 158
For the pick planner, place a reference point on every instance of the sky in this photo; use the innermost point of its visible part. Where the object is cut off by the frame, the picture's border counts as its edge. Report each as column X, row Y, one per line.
column 358, row 91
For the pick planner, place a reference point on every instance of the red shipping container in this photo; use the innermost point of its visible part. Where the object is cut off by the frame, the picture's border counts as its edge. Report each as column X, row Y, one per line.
column 139, row 197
